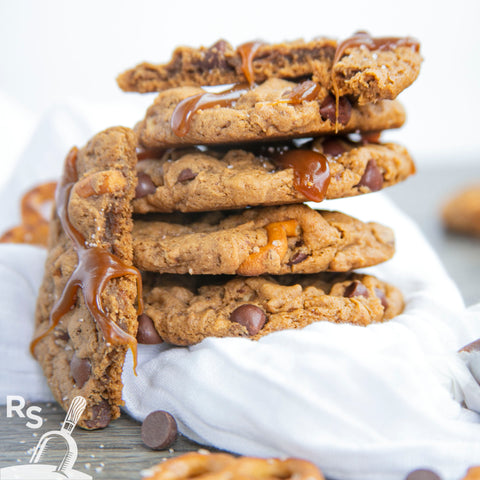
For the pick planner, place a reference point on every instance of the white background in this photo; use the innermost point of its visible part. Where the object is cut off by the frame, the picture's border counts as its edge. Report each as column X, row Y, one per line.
column 61, row 52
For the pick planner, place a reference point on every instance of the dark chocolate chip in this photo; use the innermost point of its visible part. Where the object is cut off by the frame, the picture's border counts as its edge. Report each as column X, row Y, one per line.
column 333, row 147
column 297, row 257
column 472, row 347
column 62, row 335
column 372, row 177
column 250, row 316
column 327, row 109
column 214, row 57
column 159, row 430
column 186, row 175
column 145, row 185
column 80, row 368
column 101, row 416
column 356, row 289
column 382, row 297
column 423, row 474
column 146, row 334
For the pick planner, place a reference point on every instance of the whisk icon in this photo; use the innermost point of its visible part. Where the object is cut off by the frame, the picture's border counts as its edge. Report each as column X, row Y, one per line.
column 35, row 469
column 73, row 415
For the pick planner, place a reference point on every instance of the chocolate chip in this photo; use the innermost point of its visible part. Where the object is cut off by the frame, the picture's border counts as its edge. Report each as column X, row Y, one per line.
column 214, row 57
column 297, row 257
column 62, row 335
column 146, row 334
column 472, row 347
column 101, row 416
column 327, row 109
column 159, row 430
column 250, row 316
column 186, row 175
column 422, row 474
column 356, row 289
column 80, row 368
column 372, row 177
column 382, row 297
column 333, row 147
column 145, row 185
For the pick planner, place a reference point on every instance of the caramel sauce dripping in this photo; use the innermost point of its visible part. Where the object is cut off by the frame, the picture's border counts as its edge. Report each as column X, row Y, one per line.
column 247, row 52
column 95, row 267
column 147, row 153
column 365, row 39
column 34, row 226
column 383, row 43
column 303, row 92
column 182, row 115
column 277, row 233
column 310, row 169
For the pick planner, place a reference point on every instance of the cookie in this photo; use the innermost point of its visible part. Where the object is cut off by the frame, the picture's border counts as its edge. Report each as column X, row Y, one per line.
column 461, row 213
column 192, row 180
column 274, row 110
column 86, row 316
column 366, row 69
column 274, row 240
column 185, row 310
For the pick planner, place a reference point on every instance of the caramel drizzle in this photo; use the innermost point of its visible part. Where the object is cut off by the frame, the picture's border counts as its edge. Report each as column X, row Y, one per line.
column 311, row 171
column 303, row 92
column 247, row 52
column 34, row 226
column 365, row 39
column 147, row 153
column 277, row 233
column 95, row 267
column 182, row 115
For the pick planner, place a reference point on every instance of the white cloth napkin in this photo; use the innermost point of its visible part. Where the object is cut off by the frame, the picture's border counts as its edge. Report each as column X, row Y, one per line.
column 361, row 402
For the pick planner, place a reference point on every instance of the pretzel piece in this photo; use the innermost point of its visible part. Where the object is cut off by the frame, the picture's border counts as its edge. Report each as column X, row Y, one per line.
column 277, row 233
column 223, row 466
column 34, row 227
column 473, row 473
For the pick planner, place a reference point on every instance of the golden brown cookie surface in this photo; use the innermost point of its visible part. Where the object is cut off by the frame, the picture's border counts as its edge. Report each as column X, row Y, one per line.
column 365, row 68
column 192, row 180
column 86, row 316
column 273, row 240
column 270, row 111
column 187, row 309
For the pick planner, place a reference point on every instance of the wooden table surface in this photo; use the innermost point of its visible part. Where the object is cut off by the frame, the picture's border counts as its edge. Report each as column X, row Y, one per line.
column 118, row 453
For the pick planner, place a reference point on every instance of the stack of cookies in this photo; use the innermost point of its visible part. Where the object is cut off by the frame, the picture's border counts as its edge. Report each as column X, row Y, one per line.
column 204, row 205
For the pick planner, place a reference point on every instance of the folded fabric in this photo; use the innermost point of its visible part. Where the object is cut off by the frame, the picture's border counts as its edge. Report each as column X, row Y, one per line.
column 361, row 402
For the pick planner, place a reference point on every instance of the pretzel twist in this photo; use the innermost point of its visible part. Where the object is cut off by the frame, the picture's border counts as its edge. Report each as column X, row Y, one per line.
column 34, row 225
column 222, row 466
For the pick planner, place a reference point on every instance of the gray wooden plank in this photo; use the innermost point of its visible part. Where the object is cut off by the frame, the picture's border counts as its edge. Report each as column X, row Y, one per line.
column 116, row 452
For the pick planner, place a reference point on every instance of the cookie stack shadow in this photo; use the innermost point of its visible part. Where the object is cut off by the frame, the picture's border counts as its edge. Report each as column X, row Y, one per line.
column 207, row 198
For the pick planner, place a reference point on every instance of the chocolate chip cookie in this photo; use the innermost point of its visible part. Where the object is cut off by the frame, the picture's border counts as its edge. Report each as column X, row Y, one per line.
column 86, row 316
column 364, row 68
column 187, row 309
column 461, row 213
column 274, row 240
column 276, row 109
column 192, row 180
